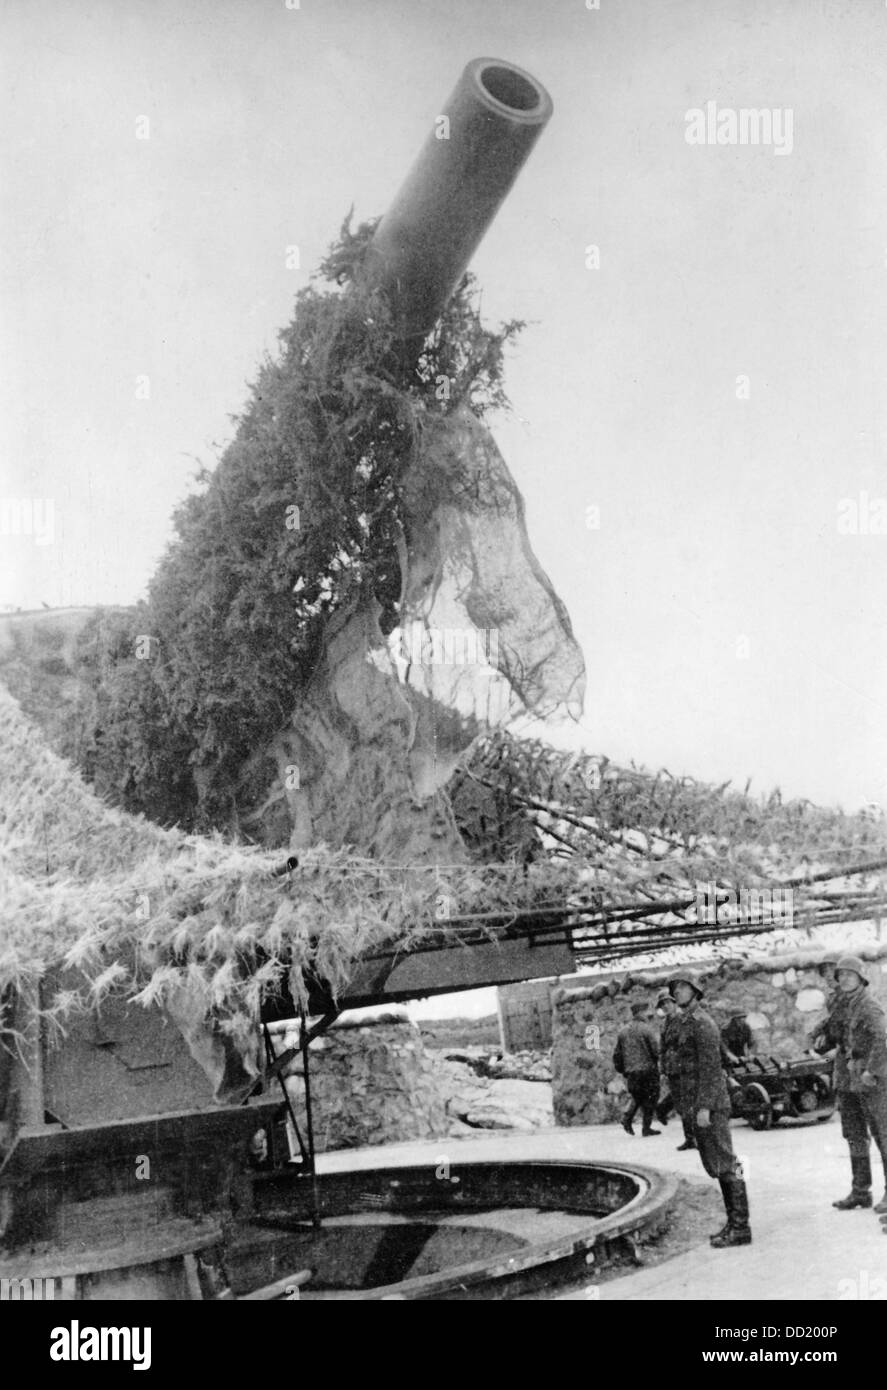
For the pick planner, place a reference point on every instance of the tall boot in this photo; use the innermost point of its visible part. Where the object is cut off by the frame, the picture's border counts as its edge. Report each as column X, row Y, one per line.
column 724, row 1184
column 689, row 1140
column 738, row 1230
column 860, row 1194
column 648, row 1129
column 665, row 1108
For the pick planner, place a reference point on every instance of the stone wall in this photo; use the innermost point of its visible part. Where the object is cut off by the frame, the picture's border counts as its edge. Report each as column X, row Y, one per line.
column 371, row 1083
column 783, row 996
column 374, row 1082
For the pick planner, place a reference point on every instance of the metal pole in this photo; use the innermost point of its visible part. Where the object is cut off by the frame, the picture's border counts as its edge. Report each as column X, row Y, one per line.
column 304, row 1043
column 271, row 1059
column 30, row 1069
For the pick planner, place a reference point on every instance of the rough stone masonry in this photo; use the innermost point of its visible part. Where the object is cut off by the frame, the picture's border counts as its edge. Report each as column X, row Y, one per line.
column 783, row 996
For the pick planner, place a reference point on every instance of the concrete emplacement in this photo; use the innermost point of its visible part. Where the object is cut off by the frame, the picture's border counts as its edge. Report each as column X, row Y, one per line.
column 475, row 1230
column 78, row 1224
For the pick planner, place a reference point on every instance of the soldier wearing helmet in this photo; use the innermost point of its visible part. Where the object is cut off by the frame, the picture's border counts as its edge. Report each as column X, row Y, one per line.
column 862, row 1096
column 827, row 1033
column 706, row 1100
column 671, row 1029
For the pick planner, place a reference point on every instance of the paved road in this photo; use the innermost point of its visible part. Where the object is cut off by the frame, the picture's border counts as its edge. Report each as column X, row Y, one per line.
column 803, row 1248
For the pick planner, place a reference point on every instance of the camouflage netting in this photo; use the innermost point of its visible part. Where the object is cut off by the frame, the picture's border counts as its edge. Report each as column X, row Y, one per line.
column 383, row 723
column 198, row 924
column 350, row 596
column 298, row 691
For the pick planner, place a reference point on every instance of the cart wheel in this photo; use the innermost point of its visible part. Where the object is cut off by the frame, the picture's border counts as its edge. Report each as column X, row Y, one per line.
column 757, row 1106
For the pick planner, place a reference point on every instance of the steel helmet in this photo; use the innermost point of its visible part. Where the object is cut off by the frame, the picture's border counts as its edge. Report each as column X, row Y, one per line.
column 685, row 978
column 853, row 963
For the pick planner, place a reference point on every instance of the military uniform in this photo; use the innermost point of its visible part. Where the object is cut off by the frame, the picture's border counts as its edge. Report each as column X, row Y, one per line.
column 826, row 1033
column 863, row 1102
column 830, row 1034
column 637, row 1058
column 855, row 1026
column 669, row 1057
column 671, row 1070
column 738, row 1037
column 703, row 1086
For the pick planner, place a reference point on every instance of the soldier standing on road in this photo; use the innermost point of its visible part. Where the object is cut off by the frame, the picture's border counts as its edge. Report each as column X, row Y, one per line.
column 862, row 1088
column 703, row 1090
column 637, row 1058
column 668, row 1041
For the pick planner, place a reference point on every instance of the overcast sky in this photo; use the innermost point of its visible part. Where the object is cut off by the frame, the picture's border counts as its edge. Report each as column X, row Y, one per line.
column 729, row 628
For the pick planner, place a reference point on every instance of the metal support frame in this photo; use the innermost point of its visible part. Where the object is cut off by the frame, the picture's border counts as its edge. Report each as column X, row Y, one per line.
column 29, row 1082
column 305, row 1038
column 276, row 1066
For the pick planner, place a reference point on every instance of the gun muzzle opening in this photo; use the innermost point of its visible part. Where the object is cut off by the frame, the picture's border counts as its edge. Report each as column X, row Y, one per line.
column 511, row 88
column 481, row 140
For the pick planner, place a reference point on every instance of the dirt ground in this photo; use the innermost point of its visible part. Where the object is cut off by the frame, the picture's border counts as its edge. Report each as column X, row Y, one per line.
column 696, row 1213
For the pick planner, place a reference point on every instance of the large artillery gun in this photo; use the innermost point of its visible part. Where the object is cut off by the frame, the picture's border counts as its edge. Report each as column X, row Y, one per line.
column 94, row 1192
column 462, row 175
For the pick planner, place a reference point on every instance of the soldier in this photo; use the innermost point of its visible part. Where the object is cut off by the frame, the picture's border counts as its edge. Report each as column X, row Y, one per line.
column 826, row 1034
column 668, row 1041
column 827, row 969
column 704, row 1094
column 862, row 1092
column 739, row 1039
column 637, row 1058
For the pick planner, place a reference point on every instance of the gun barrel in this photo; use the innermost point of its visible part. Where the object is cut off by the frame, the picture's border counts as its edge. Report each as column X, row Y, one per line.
column 464, row 171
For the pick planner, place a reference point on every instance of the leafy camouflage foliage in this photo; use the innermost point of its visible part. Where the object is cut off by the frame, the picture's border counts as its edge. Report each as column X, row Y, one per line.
column 301, row 515
column 643, row 829
column 168, row 917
